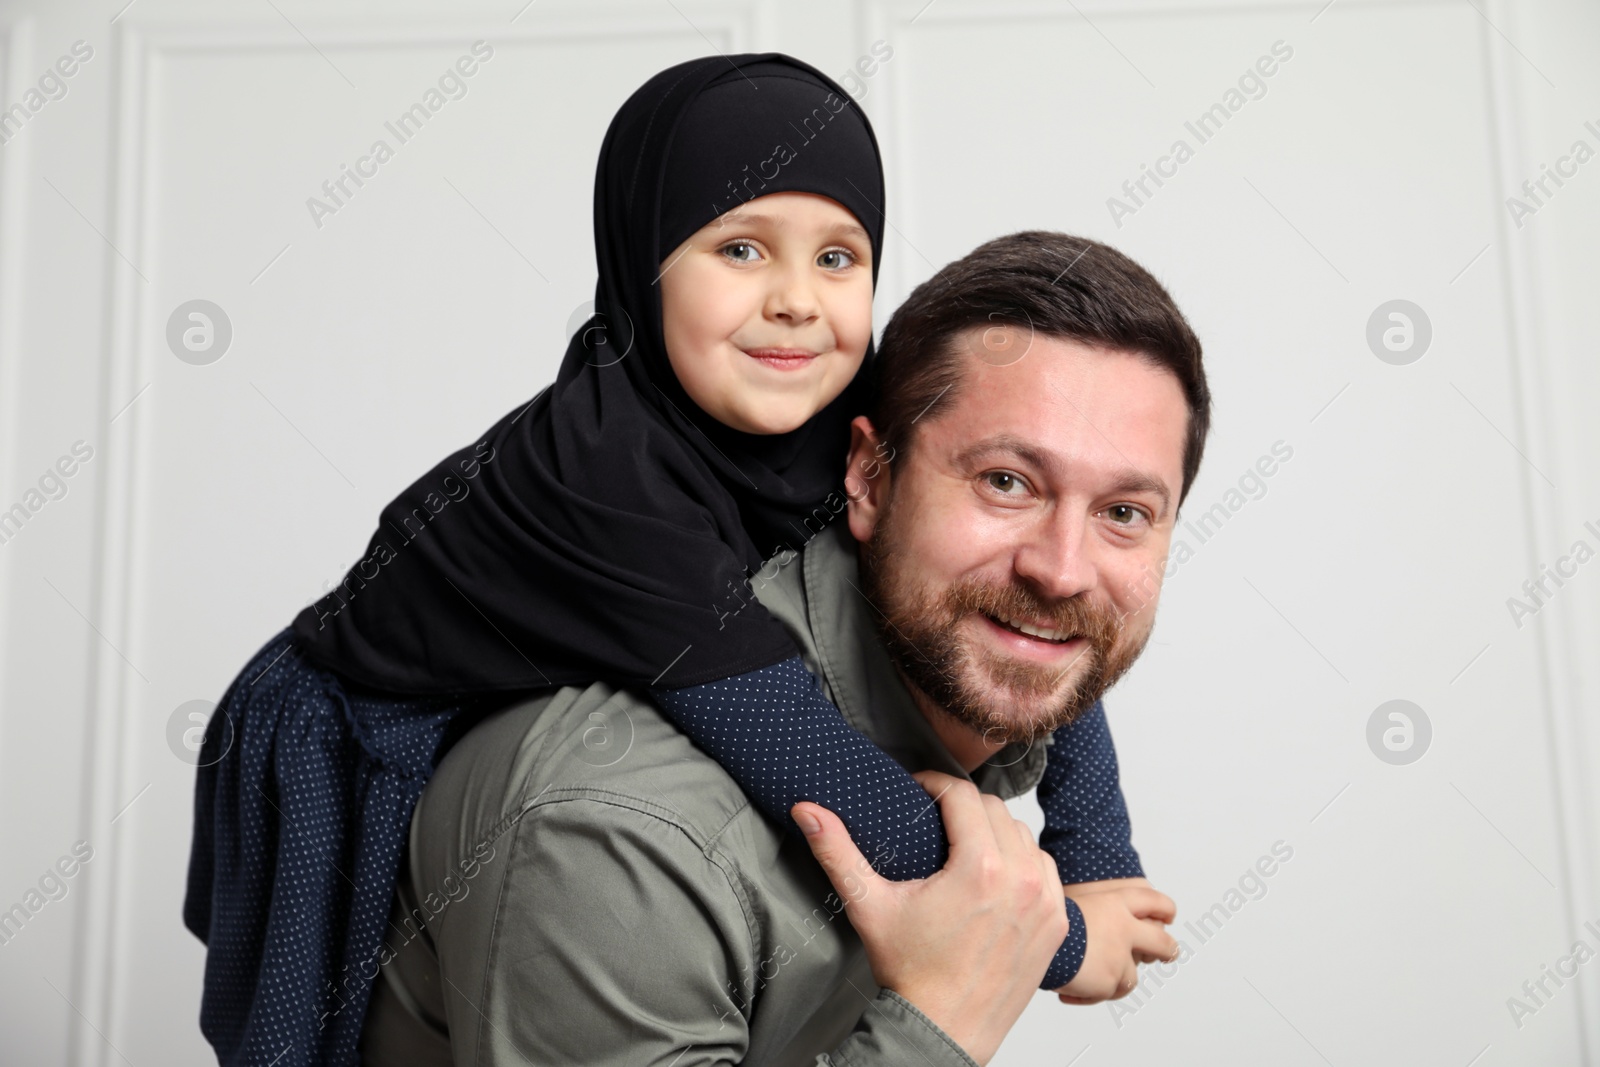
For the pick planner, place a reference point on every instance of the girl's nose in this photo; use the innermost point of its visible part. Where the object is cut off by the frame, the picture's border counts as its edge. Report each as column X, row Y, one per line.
column 792, row 300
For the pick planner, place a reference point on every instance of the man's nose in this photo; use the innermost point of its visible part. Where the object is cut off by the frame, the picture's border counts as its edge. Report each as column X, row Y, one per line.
column 1053, row 556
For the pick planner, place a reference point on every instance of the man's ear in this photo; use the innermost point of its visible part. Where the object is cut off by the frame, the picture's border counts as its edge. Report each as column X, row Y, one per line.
column 866, row 477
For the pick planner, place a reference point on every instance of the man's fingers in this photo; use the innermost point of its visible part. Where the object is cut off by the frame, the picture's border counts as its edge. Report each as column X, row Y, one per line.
column 1005, row 829
column 966, row 821
column 934, row 781
column 975, row 820
column 831, row 844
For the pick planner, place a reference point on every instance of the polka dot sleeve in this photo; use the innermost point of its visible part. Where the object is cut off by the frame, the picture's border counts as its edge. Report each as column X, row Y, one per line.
column 1086, row 825
column 783, row 742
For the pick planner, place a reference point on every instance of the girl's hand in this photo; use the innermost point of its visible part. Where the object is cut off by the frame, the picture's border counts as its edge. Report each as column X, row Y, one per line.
column 1125, row 920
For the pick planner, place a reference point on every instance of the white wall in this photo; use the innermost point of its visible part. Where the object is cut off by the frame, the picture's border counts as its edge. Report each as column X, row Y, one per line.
column 1377, row 565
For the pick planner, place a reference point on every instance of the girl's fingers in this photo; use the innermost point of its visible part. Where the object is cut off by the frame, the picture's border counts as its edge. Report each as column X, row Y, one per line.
column 1151, row 904
column 1151, row 940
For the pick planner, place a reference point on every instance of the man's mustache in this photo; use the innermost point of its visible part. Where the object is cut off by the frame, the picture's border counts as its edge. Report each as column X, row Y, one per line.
column 1075, row 615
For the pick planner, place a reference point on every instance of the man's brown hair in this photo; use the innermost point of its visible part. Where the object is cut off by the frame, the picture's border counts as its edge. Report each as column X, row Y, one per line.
column 1039, row 282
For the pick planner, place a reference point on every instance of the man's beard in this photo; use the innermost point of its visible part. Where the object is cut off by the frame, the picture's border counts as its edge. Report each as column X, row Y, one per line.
column 1006, row 699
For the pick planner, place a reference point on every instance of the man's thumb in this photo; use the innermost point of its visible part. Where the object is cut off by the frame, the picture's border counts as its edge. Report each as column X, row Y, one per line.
column 831, row 844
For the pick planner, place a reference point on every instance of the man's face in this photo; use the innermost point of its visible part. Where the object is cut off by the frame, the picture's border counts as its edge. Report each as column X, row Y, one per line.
column 1043, row 497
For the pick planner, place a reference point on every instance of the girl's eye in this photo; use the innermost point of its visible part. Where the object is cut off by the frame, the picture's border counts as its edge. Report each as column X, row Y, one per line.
column 1005, row 483
column 732, row 250
column 836, row 259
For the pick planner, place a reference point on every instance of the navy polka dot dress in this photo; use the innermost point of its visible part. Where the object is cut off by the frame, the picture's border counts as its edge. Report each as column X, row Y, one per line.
column 303, row 805
column 307, row 783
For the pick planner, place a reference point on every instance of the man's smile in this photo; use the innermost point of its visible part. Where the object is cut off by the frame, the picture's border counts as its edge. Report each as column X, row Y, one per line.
column 1036, row 649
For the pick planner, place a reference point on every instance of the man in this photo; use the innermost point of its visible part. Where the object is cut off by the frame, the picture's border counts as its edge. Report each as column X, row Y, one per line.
column 586, row 886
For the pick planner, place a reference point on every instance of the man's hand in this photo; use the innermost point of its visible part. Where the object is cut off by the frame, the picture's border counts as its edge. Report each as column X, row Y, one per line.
column 969, row 944
column 1125, row 919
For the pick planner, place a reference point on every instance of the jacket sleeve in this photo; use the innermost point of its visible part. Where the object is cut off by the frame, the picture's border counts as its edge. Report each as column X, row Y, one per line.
column 893, row 1031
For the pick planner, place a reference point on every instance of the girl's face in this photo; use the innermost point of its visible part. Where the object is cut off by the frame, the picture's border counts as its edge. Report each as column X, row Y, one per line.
column 767, row 310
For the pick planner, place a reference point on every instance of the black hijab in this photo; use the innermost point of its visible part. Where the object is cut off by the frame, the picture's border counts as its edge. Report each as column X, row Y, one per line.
column 601, row 531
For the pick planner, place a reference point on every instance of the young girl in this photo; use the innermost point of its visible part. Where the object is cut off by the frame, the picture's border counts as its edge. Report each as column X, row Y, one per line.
column 593, row 534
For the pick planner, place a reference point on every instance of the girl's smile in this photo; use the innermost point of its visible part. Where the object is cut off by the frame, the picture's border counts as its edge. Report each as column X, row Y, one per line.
column 782, row 358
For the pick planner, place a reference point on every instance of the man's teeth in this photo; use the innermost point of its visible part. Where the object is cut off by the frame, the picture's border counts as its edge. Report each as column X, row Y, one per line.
column 1035, row 631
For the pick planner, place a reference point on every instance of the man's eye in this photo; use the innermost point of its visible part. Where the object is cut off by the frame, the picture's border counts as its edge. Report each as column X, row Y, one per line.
column 836, row 259
column 1133, row 514
column 1004, row 481
column 732, row 251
